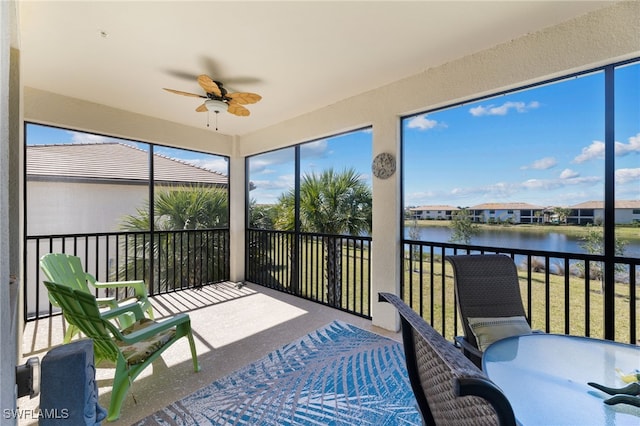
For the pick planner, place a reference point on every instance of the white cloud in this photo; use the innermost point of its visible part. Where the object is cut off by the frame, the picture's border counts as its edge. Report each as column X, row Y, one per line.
column 81, row 137
column 282, row 183
column 535, row 184
column 263, row 162
column 421, row 122
column 593, row 151
column 548, row 184
column 633, row 146
column 216, row 164
column 503, row 190
column 495, row 191
column 568, row 174
column 503, row 109
column 420, row 198
column 314, row 149
column 541, row 164
column 596, row 149
column 627, row 175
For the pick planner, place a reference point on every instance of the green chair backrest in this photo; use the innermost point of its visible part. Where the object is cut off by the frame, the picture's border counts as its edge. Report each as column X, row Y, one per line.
column 131, row 350
column 65, row 269
column 81, row 310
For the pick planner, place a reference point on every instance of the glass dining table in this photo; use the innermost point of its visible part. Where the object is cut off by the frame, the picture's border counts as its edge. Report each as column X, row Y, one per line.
column 545, row 376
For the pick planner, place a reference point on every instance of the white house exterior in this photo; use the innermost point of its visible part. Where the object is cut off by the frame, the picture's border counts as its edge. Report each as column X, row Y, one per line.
column 89, row 188
column 506, row 212
column 627, row 212
column 436, row 212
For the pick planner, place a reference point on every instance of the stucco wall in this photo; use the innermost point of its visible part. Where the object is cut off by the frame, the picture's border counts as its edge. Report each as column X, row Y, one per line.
column 60, row 208
column 9, row 206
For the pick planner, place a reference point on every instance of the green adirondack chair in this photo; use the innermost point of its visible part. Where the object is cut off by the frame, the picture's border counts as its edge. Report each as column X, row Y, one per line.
column 131, row 349
column 67, row 269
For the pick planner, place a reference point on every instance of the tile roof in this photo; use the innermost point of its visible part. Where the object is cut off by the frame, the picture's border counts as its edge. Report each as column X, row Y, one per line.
column 505, row 206
column 434, row 207
column 112, row 161
column 619, row 204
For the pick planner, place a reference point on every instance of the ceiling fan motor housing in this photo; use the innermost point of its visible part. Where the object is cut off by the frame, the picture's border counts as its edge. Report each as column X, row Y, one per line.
column 216, row 106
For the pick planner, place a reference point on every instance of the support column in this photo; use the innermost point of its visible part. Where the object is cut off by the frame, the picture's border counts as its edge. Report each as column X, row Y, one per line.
column 385, row 245
column 237, row 197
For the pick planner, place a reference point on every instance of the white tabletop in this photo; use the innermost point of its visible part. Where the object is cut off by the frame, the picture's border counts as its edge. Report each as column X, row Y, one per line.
column 545, row 377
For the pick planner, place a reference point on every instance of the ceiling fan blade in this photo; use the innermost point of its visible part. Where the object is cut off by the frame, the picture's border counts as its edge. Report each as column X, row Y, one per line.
column 209, row 85
column 210, row 66
column 178, row 92
column 182, row 74
column 244, row 98
column 202, row 108
column 238, row 110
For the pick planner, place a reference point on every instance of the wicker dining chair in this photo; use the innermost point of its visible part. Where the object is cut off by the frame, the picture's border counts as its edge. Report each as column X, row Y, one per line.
column 487, row 287
column 449, row 388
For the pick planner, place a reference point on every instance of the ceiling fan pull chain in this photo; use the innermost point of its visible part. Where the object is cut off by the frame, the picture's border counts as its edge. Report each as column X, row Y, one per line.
column 208, row 118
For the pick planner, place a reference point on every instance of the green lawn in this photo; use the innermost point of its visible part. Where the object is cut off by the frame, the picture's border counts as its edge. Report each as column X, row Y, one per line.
column 542, row 294
column 356, row 297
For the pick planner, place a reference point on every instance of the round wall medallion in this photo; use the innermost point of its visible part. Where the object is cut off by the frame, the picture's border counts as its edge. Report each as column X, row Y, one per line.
column 384, row 165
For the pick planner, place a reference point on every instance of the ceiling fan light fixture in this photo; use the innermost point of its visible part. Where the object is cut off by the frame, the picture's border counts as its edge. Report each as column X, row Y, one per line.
column 216, row 106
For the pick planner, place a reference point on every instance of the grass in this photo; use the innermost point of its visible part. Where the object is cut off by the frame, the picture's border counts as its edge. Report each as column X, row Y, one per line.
column 355, row 274
column 585, row 301
column 432, row 294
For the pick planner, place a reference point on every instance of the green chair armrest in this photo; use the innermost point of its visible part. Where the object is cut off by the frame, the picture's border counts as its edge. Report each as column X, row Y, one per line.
column 139, row 287
column 155, row 328
column 107, row 301
column 132, row 307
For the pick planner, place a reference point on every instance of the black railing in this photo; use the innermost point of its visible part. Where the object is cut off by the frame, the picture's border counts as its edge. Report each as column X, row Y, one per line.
column 330, row 269
column 181, row 259
column 562, row 292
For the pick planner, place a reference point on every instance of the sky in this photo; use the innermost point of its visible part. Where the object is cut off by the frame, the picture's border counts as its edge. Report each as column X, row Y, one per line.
column 273, row 173
column 543, row 146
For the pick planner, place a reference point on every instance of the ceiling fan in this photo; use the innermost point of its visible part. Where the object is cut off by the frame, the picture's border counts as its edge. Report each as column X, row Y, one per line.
column 218, row 99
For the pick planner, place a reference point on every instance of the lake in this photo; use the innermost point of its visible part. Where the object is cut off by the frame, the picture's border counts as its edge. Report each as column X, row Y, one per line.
column 512, row 238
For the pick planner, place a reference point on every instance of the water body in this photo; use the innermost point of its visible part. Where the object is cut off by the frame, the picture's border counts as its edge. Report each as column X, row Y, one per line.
column 512, row 238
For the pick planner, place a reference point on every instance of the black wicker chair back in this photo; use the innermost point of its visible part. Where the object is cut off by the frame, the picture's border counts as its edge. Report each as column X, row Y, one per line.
column 485, row 286
column 449, row 388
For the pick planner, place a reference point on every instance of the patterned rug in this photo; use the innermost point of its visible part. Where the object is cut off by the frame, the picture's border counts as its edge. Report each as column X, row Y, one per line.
column 337, row 375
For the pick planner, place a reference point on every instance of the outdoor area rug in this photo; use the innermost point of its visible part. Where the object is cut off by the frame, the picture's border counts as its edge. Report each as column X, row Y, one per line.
column 337, row 375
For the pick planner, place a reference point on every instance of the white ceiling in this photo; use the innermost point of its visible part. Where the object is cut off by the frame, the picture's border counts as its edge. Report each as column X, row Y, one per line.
column 299, row 55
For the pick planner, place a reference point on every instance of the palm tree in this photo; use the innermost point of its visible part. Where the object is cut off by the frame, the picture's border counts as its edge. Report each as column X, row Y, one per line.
column 331, row 203
column 181, row 208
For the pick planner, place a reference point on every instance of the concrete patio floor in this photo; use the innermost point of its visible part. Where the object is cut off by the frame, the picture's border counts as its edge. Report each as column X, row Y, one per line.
column 232, row 327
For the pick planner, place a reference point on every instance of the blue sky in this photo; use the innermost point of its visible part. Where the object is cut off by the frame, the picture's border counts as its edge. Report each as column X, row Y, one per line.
column 543, row 146
column 273, row 173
